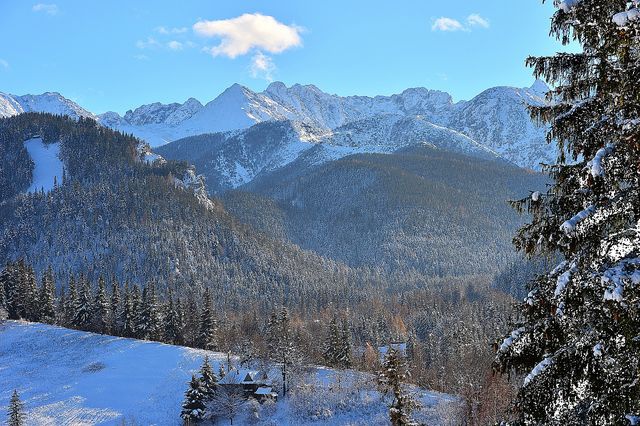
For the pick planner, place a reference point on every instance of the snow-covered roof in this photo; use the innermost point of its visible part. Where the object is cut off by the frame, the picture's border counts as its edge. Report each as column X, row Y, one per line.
column 264, row 390
column 241, row 376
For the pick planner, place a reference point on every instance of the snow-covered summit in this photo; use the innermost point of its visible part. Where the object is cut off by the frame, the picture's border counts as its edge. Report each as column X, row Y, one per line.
column 51, row 102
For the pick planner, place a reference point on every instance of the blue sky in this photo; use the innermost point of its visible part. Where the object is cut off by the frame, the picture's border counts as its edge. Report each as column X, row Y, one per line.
column 117, row 55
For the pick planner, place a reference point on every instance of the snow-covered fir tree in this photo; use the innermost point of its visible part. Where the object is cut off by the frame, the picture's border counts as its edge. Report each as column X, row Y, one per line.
column 344, row 354
column 207, row 336
column 391, row 378
column 83, row 306
column 208, row 379
column 16, row 415
column 193, row 407
column 114, row 309
column 579, row 337
column 173, row 321
column 100, row 309
column 70, row 302
column 46, row 298
column 331, row 344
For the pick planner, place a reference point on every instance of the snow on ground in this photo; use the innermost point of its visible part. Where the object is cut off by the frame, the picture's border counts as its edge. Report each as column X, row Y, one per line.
column 68, row 377
column 47, row 164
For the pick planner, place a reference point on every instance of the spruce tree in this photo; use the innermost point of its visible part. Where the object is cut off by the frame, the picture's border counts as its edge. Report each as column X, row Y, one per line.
column 207, row 338
column 82, row 310
column 127, row 321
column 577, row 339
column 114, row 310
column 16, row 415
column 344, row 355
column 332, row 344
column 71, row 303
column 46, row 298
column 390, row 377
column 193, row 407
column 173, row 321
column 208, row 379
column 100, row 309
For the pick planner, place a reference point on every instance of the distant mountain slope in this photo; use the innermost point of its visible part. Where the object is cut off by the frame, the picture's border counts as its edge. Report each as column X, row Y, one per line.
column 424, row 209
column 229, row 160
column 121, row 211
column 68, row 377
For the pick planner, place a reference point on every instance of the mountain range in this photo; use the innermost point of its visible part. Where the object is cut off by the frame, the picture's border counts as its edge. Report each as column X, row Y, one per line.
column 496, row 121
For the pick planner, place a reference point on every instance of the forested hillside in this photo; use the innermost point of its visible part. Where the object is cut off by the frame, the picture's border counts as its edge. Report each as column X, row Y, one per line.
column 115, row 214
column 419, row 209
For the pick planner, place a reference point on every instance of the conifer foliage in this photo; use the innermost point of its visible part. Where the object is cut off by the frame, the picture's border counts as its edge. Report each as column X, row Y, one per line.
column 578, row 338
column 390, row 377
column 16, row 411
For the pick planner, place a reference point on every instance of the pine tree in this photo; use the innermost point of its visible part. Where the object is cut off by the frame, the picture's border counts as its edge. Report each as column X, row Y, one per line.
column 71, row 303
column 30, row 289
column 136, row 311
column 16, row 411
column 208, row 379
column 578, row 336
column 100, row 309
column 46, row 298
column 193, row 407
column 390, row 377
column 114, row 318
column 173, row 324
column 344, row 355
column 207, row 338
column 332, row 343
column 127, row 319
column 82, row 309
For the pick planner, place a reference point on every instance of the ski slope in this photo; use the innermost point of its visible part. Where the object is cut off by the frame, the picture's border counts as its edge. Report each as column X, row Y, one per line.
column 68, row 377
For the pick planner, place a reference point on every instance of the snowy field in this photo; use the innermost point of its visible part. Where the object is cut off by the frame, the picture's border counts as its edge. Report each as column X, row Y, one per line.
column 47, row 164
column 68, row 377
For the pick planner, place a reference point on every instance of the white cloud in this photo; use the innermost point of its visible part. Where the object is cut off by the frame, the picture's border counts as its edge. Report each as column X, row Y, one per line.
column 450, row 24
column 148, row 43
column 249, row 31
column 475, row 20
column 175, row 45
column 4, row 64
column 178, row 30
column 262, row 66
column 49, row 9
column 447, row 24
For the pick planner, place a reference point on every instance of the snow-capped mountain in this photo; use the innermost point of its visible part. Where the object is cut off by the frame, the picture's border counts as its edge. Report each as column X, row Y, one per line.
column 51, row 102
column 497, row 118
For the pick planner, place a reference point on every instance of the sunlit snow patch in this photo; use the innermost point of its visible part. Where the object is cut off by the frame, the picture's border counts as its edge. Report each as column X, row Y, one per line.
column 47, row 164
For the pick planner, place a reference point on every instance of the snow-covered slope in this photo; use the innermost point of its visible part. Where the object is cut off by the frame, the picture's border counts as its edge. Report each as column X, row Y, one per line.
column 497, row 118
column 47, row 168
column 50, row 102
column 68, row 377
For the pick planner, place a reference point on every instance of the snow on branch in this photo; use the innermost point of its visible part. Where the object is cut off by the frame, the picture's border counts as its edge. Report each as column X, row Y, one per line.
column 567, row 5
column 538, row 369
column 506, row 344
column 564, row 279
column 616, row 276
column 596, row 164
column 622, row 19
column 570, row 225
